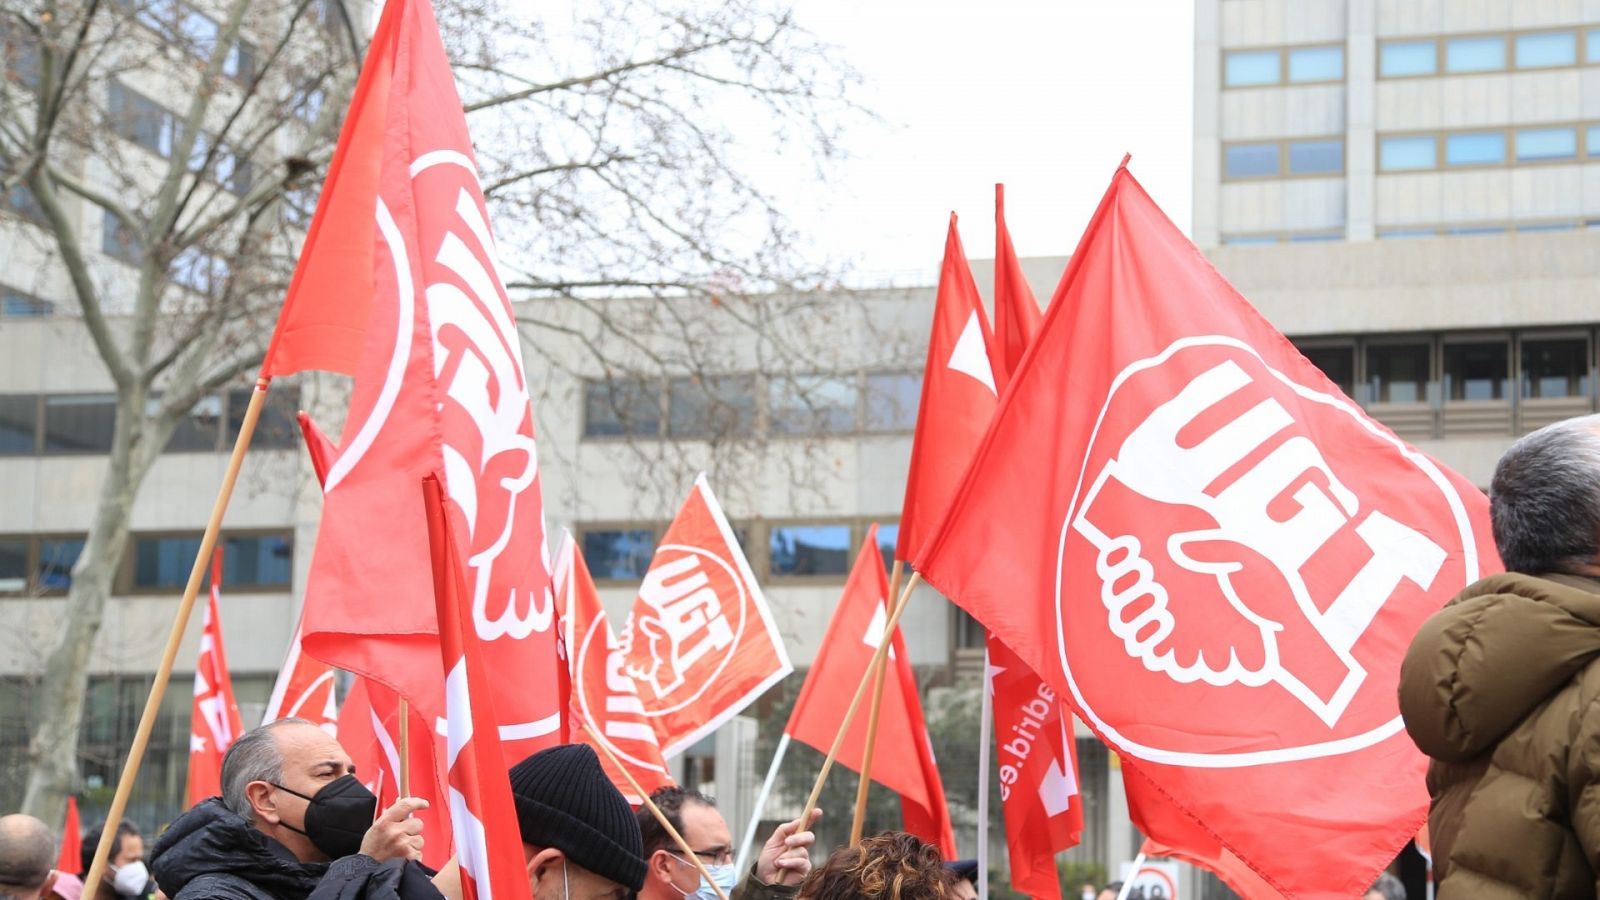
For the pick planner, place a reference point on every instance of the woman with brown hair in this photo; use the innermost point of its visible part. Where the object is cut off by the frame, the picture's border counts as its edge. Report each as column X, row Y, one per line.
column 889, row 866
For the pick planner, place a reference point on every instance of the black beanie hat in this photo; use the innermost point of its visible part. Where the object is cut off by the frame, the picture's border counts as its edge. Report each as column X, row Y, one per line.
column 564, row 800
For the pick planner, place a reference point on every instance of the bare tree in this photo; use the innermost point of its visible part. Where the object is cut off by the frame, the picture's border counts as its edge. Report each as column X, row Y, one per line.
column 169, row 152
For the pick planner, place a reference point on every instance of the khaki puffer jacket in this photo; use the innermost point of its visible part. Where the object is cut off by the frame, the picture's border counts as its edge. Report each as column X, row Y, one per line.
column 1499, row 688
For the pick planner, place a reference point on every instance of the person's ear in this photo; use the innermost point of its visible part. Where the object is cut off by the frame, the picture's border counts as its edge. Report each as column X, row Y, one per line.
column 49, row 882
column 264, row 801
column 547, row 860
column 662, row 866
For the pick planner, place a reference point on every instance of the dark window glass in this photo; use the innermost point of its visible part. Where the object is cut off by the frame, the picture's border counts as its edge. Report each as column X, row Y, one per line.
column 241, row 63
column 57, row 556
column 892, row 400
column 1338, row 363
column 79, row 423
column 278, row 428
column 622, row 553
column 117, row 241
column 1555, row 367
column 1398, row 373
column 887, row 535
column 198, row 432
column 164, row 562
column 1316, row 157
column 1251, row 160
column 718, row 406
column 16, row 305
column 622, row 406
column 256, row 560
column 13, row 566
column 140, row 119
column 809, row 549
column 21, row 200
column 1476, row 371
column 814, row 404
column 968, row 633
column 19, row 424
column 21, row 55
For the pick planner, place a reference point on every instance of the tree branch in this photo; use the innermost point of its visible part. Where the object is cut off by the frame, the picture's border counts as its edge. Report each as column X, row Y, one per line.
column 582, row 80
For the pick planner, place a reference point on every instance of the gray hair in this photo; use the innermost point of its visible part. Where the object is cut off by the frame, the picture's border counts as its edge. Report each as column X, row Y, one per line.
column 1389, row 886
column 27, row 853
column 1544, row 501
column 253, row 756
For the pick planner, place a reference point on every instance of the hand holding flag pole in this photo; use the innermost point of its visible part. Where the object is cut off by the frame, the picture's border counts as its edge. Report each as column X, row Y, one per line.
column 688, row 852
column 880, row 672
column 878, row 657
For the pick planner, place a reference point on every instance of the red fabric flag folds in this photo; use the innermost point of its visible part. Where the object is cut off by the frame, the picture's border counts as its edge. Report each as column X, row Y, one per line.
column 214, row 716
column 1214, row 555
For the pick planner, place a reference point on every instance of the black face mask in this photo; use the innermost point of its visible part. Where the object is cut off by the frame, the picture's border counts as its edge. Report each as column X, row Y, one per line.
column 338, row 816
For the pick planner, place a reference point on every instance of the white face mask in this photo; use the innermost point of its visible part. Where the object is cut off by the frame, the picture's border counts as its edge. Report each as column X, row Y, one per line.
column 131, row 879
column 724, row 876
column 1088, row 895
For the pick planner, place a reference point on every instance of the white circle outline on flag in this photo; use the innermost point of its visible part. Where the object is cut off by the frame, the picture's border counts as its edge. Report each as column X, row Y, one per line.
column 738, row 635
column 588, row 714
column 1469, row 559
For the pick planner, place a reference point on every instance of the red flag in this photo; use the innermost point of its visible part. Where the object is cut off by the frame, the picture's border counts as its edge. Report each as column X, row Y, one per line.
column 958, row 399
column 439, row 388
column 1170, row 832
column 71, row 861
column 1213, row 555
column 489, row 849
column 1037, row 757
column 842, row 660
column 214, row 717
column 1016, row 312
column 700, row 642
column 369, row 729
column 603, row 694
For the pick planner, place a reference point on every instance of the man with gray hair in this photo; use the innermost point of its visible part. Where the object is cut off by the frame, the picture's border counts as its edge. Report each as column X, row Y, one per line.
column 1501, row 688
column 291, row 814
column 1387, row 887
column 27, row 858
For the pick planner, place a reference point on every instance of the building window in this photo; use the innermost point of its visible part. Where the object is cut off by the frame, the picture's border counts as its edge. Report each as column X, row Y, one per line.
column 1470, row 230
column 1555, row 367
column 967, row 633
column 198, row 271
column 891, row 401
column 19, row 55
column 1316, row 157
column 621, row 554
column 1387, row 233
column 1398, row 373
column 1537, row 227
column 718, row 406
column 19, row 424
column 195, row 32
column 1398, row 154
column 200, row 430
column 1540, row 144
column 1543, row 50
column 1475, row 148
column 887, row 536
column 1311, row 64
column 278, row 428
column 1591, row 46
column 17, row 305
column 1400, row 59
column 307, row 103
column 1592, row 140
column 21, row 200
column 263, row 560
column 57, row 556
column 1251, row 160
column 79, row 423
column 622, row 407
column 13, row 566
column 813, row 404
column 1475, row 54
column 1249, row 240
column 118, row 241
column 1476, row 371
column 150, row 125
column 1246, row 68
column 1338, row 363
column 164, row 562
column 821, row 549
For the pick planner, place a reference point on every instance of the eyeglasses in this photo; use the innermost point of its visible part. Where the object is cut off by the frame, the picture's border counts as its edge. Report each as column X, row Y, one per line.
column 718, row 856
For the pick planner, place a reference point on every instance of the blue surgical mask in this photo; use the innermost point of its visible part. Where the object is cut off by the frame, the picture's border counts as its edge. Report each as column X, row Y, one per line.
column 724, row 876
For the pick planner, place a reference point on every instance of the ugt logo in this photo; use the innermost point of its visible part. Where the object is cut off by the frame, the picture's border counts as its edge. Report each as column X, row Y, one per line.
column 685, row 627
column 1246, row 536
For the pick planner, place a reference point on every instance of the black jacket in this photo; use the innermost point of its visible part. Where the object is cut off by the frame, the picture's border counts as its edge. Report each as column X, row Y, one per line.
column 211, row 852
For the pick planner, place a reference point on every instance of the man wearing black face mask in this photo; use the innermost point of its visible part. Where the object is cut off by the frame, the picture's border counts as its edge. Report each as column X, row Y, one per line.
column 291, row 814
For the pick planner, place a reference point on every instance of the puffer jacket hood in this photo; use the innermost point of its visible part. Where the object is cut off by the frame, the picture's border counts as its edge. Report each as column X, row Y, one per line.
column 210, row 839
column 1477, row 668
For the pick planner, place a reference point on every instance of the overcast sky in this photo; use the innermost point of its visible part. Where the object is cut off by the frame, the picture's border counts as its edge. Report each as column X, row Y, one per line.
column 1043, row 96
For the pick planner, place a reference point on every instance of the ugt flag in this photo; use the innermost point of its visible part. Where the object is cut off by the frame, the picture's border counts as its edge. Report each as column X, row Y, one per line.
column 214, row 717
column 700, row 643
column 1213, row 554
column 603, row 695
column 399, row 285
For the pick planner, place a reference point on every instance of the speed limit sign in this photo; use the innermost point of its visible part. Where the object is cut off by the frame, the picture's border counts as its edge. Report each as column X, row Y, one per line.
column 1153, row 881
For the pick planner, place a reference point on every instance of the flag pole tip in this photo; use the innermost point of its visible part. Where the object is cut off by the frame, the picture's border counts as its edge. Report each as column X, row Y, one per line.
column 1125, row 158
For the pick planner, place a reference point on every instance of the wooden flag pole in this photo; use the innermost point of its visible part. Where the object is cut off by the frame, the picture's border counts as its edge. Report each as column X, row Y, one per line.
column 855, row 702
column 180, row 624
column 405, row 748
column 661, row 817
column 880, row 671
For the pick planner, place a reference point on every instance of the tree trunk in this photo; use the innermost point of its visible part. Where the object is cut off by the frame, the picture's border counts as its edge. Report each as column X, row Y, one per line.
column 57, row 707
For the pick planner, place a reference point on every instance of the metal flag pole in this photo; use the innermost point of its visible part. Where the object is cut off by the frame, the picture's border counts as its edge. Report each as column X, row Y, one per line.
column 761, row 804
column 985, row 731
